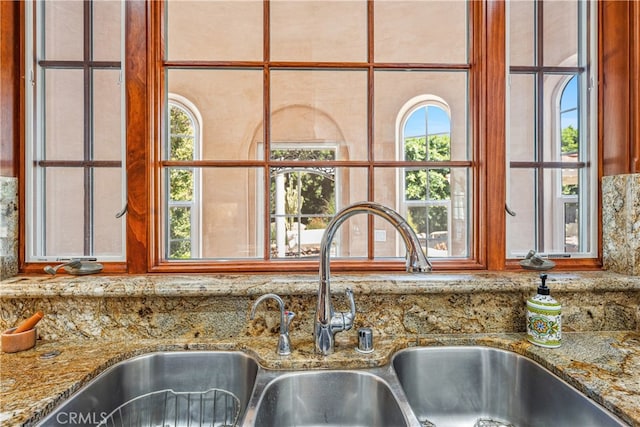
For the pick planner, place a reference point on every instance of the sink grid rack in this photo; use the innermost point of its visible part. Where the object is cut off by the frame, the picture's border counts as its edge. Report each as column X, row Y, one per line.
column 168, row 408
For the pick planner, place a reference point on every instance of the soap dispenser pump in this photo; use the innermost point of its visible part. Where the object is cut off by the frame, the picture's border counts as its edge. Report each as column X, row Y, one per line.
column 544, row 318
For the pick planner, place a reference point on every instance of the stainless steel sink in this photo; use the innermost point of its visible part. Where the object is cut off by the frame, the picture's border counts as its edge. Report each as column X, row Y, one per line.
column 182, row 372
column 474, row 386
column 421, row 387
column 335, row 398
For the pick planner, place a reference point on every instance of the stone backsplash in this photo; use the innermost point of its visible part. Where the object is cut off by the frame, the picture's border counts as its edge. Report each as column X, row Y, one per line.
column 218, row 307
column 621, row 223
column 8, row 227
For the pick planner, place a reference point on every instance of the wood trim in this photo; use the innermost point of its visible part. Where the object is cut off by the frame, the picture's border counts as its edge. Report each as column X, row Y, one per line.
column 10, row 65
column 310, row 266
column 493, row 223
column 138, row 136
column 614, row 86
column 634, row 73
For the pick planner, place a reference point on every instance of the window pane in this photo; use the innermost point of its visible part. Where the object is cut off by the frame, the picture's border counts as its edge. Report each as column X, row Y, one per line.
column 421, row 31
column 427, row 135
column 63, row 218
column 559, row 133
column 522, row 32
column 522, row 117
column 569, row 121
column 180, row 249
column 63, row 30
column 521, row 229
column 321, row 106
column 557, row 93
column 318, row 31
column 182, row 134
column 435, row 203
column 214, row 30
column 395, row 91
column 229, row 122
column 427, row 184
column 560, row 33
column 76, row 199
column 180, row 229
column 107, row 115
column 554, row 202
column 181, row 184
column 296, row 151
column 108, row 199
column 107, row 32
column 571, row 229
column 230, row 203
column 64, row 114
column 560, row 211
column 304, row 200
column 431, row 223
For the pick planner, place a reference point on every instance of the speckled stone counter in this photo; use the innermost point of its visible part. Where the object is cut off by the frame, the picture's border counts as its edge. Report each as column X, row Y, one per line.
column 217, row 306
column 605, row 366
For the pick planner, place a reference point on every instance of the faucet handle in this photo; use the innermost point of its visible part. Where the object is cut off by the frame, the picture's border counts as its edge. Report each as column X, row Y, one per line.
column 352, row 304
column 343, row 321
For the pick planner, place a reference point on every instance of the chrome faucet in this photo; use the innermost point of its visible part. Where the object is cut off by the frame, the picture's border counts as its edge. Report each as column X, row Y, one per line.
column 328, row 323
column 284, row 343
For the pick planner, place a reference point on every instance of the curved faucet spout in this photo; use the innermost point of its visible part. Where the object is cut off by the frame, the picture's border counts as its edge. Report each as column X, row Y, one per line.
column 284, row 343
column 328, row 323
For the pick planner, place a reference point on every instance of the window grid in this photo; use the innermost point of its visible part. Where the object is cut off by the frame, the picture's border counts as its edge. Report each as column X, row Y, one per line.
column 371, row 66
column 88, row 163
column 540, row 71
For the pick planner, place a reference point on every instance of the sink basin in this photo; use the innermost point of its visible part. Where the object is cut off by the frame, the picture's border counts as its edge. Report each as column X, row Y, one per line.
column 335, row 398
column 181, row 372
column 474, row 386
column 421, row 387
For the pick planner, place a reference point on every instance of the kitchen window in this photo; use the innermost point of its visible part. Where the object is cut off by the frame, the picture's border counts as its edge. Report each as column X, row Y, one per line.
column 339, row 75
column 74, row 158
column 551, row 130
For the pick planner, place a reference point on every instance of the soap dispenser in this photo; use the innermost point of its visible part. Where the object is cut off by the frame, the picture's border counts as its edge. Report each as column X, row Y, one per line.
column 544, row 318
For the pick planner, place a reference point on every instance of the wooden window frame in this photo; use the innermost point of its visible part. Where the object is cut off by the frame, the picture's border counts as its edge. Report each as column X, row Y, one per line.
column 618, row 130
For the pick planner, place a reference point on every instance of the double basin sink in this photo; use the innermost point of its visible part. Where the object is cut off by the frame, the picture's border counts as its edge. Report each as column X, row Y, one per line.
column 421, row 387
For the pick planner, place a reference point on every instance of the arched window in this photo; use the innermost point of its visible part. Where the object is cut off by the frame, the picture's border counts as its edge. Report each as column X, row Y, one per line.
column 425, row 195
column 182, row 223
column 568, row 150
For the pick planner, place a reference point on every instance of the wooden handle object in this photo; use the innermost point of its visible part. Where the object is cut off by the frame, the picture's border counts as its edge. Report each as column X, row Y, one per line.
column 29, row 323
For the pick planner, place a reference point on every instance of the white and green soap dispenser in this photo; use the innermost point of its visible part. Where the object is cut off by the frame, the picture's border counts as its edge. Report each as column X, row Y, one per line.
column 544, row 318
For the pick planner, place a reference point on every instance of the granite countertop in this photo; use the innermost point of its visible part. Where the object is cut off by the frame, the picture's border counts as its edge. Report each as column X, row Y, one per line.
column 603, row 365
column 184, row 285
